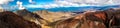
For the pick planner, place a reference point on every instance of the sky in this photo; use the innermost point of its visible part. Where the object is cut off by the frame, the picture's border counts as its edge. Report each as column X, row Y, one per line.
column 21, row 4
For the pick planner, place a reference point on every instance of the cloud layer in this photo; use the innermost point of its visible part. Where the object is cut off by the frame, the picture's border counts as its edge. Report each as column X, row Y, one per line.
column 76, row 3
column 56, row 4
column 4, row 4
column 5, row 1
column 93, row 1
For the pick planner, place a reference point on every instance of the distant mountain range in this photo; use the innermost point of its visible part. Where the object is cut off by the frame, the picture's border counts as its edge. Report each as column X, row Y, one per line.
column 73, row 9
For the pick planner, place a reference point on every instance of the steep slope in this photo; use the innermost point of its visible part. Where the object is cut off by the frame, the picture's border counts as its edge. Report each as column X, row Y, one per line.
column 27, row 15
column 11, row 20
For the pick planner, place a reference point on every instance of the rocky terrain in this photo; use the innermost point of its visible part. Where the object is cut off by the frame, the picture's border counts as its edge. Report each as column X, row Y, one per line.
column 1, row 10
column 97, row 19
column 52, row 17
column 11, row 20
column 46, row 19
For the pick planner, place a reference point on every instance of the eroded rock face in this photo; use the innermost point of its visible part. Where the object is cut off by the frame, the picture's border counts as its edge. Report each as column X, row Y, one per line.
column 1, row 10
column 11, row 20
column 100, row 19
column 69, row 23
column 87, row 20
column 113, row 19
column 27, row 15
column 53, row 17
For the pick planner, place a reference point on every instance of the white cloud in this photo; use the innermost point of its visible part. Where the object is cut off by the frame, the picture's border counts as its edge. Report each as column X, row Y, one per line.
column 42, row 6
column 76, row 3
column 19, row 4
column 96, row 2
column 31, row 2
column 5, row 1
column 3, row 4
column 56, row 4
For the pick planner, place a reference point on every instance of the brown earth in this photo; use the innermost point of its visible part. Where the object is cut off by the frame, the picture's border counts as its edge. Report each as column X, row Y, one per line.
column 11, row 20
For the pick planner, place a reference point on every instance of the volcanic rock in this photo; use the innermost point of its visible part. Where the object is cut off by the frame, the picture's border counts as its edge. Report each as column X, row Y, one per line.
column 27, row 15
column 11, row 20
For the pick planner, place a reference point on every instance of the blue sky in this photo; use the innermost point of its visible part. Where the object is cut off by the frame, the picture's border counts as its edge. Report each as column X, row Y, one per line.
column 26, row 2
column 56, row 5
column 13, row 3
column 61, row 3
